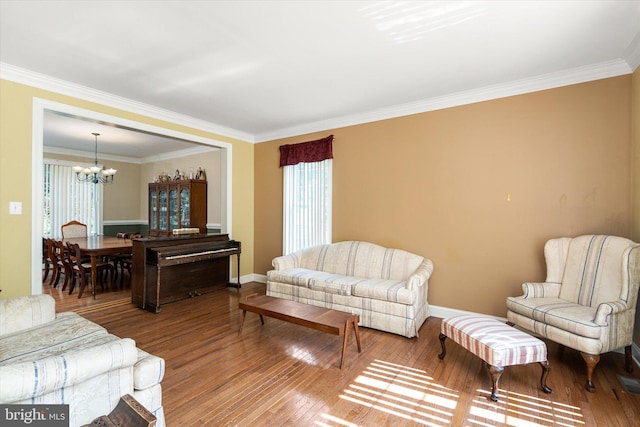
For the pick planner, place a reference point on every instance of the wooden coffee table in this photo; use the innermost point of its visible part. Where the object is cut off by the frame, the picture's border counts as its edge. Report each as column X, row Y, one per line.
column 319, row 318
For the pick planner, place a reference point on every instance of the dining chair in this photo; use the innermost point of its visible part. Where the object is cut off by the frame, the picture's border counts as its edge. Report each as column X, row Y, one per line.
column 80, row 270
column 73, row 229
column 123, row 262
column 53, row 260
column 47, row 262
column 63, row 261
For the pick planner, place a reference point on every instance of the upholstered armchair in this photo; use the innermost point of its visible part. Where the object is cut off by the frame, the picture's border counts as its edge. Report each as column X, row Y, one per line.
column 588, row 300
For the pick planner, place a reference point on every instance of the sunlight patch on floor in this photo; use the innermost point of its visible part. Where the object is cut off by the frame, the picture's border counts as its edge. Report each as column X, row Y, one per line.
column 410, row 394
column 404, row 392
column 302, row 354
column 335, row 420
column 516, row 409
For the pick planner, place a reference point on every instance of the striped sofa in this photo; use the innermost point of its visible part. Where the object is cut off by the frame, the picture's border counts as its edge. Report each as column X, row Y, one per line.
column 588, row 300
column 387, row 288
column 66, row 359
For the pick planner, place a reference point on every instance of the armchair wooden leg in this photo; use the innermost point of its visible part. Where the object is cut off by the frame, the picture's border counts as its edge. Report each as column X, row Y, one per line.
column 628, row 360
column 543, row 377
column 495, row 372
column 591, row 360
column 444, row 349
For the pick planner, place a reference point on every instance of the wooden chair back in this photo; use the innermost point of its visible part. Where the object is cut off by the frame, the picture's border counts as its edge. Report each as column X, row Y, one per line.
column 73, row 229
column 75, row 258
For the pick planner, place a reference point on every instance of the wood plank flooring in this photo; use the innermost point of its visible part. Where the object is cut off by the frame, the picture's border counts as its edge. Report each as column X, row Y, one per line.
column 282, row 374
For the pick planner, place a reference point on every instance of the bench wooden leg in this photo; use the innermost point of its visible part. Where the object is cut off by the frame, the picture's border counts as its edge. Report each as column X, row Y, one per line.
column 543, row 378
column 354, row 322
column 495, row 373
column 344, row 343
column 244, row 314
column 444, row 349
column 357, row 332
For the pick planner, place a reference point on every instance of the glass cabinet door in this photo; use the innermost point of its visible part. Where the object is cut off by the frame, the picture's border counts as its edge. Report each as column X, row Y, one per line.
column 184, row 207
column 173, row 209
column 162, row 218
column 153, row 210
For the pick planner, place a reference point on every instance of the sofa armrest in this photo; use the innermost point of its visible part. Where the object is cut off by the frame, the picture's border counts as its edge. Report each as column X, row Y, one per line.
column 148, row 370
column 421, row 275
column 606, row 309
column 540, row 290
column 28, row 380
column 285, row 262
column 17, row 314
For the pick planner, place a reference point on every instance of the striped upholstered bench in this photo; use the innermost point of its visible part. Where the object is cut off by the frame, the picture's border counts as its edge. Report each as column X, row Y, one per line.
column 496, row 343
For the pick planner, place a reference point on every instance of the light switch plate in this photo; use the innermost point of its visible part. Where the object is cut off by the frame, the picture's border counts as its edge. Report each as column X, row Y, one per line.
column 15, row 208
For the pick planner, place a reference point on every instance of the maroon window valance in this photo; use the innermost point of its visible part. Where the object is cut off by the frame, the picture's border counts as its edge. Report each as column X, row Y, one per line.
column 306, row 152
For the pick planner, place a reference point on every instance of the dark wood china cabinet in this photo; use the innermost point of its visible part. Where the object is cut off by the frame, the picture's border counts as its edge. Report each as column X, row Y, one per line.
column 177, row 204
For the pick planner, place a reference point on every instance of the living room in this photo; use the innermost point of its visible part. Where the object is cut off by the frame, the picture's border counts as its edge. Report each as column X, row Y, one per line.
column 477, row 188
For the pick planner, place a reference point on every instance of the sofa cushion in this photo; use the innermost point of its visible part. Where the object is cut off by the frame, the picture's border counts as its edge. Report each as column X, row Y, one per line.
column 68, row 331
column 333, row 283
column 574, row 318
column 292, row 276
column 385, row 290
column 592, row 272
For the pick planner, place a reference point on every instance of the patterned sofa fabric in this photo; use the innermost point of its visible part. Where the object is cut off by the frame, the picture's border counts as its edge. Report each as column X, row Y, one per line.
column 386, row 287
column 66, row 359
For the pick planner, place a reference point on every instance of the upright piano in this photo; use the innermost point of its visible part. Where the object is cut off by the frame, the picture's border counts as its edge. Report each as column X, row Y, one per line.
column 167, row 269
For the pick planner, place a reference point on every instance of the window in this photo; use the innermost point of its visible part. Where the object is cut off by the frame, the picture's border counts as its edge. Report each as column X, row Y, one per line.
column 66, row 199
column 307, row 194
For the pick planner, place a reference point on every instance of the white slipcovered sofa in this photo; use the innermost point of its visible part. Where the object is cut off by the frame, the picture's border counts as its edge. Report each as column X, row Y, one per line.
column 66, row 359
column 387, row 288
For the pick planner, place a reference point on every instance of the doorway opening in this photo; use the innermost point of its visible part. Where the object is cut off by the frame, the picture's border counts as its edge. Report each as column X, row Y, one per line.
column 42, row 107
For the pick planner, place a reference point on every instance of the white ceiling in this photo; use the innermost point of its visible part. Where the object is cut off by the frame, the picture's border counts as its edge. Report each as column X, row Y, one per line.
column 268, row 69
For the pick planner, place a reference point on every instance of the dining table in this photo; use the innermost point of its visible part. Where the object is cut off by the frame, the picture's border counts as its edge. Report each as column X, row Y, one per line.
column 98, row 246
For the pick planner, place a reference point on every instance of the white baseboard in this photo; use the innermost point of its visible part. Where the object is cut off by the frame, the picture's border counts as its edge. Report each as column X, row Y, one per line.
column 635, row 354
column 444, row 312
column 261, row 278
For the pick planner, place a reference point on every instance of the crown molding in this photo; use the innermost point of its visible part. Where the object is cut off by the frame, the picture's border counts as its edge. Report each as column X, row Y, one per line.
column 179, row 153
column 41, row 81
column 632, row 53
column 547, row 81
column 90, row 155
column 155, row 158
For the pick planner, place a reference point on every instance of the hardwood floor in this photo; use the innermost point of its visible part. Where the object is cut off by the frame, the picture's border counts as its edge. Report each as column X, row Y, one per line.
column 282, row 374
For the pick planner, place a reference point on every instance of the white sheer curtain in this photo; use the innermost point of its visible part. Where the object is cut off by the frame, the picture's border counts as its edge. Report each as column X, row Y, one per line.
column 66, row 199
column 307, row 205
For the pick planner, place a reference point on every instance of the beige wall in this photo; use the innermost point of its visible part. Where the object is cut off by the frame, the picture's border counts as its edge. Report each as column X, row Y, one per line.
column 437, row 184
column 16, row 105
column 635, row 141
column 209, row 161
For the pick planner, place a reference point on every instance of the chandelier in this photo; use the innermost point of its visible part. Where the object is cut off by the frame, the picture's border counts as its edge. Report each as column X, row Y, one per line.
column 95, row 174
